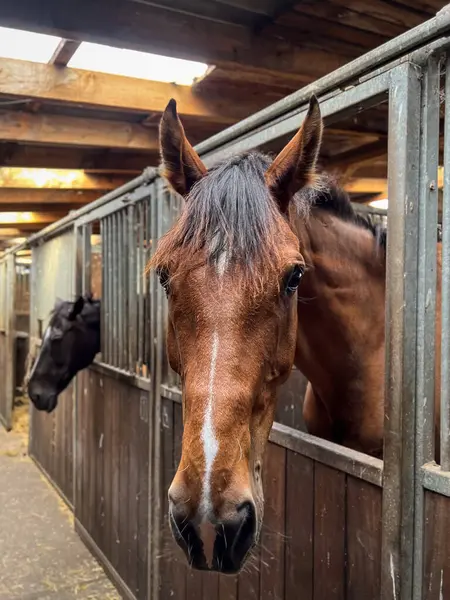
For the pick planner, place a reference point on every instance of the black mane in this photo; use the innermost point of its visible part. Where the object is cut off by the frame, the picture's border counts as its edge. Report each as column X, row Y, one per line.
column 328, row 196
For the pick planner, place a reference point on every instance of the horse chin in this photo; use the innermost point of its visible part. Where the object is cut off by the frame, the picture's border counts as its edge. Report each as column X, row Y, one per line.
column 52, row 403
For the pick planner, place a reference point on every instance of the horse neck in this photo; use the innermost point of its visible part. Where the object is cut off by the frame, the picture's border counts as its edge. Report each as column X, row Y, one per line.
column 340, row 341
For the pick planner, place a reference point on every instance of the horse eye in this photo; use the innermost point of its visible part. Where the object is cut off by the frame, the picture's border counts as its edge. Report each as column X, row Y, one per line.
column 163, row 275
column 292, row 280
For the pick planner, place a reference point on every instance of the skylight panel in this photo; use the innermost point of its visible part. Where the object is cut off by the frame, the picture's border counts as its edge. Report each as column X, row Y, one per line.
column 141, row 65
column 27, row 45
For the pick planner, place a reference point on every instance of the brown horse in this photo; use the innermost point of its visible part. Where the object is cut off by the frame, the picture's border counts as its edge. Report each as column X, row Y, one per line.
column 251, row 234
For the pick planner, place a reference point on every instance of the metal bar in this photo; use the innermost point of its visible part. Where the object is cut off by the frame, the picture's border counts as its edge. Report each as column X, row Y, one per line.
column 86, row 276
column 141, row 287
column 109, row 290
column 364, row 95
column 426, row 299
column 400, row 45
column 132, row 300
column 155, row 405
column 120, row 291
column 433, row 479
column 79, row 260
column 119, row 375
column 103, row 308
column 115, row 290
column 445, row 310
column 125, row 288
column 401, row 314
column 148, row 283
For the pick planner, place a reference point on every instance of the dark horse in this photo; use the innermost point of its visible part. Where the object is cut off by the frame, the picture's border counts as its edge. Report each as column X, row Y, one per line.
column 70, row 343
column 268, row 266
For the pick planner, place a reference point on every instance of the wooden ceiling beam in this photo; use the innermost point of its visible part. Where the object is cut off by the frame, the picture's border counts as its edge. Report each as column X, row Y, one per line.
column 41, row 207
column 166, row 31
column 61, row 179
column 63, row 130
column 43, row 82
column 71, row 157
column 26, row 228
column 39, row 197
column 356, row 156
column 64, row 52
column 9, row 232
column 367, row 185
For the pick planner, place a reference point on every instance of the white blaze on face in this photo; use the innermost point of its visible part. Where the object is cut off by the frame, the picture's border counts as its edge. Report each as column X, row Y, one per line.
column 210, row 442
column 222, row 264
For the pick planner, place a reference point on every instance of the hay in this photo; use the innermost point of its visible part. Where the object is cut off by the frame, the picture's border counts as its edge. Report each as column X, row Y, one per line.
column 21, row 421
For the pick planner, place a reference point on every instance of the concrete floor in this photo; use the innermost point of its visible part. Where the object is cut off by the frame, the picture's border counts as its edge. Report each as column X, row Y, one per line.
column 41, row 557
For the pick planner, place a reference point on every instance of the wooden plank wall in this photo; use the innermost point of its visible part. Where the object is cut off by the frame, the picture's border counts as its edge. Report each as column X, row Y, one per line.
column 51, row 443
column 112, row 491
column 436, row 581
column 321, row 537
column 289, row 409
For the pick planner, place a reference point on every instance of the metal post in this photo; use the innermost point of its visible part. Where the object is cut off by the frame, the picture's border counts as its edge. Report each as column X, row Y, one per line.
column 445, row 341
column 109, row 292
column 115, row 291
column 426, row 300
column 401, row 300
column 132, row 299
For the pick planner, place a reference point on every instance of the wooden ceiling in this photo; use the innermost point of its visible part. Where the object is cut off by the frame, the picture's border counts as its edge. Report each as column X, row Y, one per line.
column 54, row 117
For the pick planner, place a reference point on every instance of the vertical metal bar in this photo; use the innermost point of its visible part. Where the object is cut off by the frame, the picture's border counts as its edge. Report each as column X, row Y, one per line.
column 158, row 212
column 124, row 288
column 115, row 290
column 155, row 196
column 426, row 300
column 445, row 324
column 120, row 291
column 110, row 291
column 141, row 290
column 148, row 237
column 132, row 298
column 103, row 310
column 79, row 260
column 86, row 276
column 401, row 314
column 144, row 290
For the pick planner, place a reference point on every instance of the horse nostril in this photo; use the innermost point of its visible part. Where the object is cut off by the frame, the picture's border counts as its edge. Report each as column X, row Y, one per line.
column 245, row 506
column 235, row 539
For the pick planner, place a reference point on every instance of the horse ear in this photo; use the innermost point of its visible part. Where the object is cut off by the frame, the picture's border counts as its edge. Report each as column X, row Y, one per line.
column 58, row 303
column 181, row 164
column 294, row 167
column 76, row 308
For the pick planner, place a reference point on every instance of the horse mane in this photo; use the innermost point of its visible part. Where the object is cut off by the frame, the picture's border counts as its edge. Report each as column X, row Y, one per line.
column 327, row 195
column 230, row 211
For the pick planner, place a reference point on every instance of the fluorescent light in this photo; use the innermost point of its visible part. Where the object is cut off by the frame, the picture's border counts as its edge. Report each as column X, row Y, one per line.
column 26, row 45
column 383, row 203
column 141, row 65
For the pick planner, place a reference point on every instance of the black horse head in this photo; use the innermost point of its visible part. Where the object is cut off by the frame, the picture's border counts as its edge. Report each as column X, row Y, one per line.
column 70, row 343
